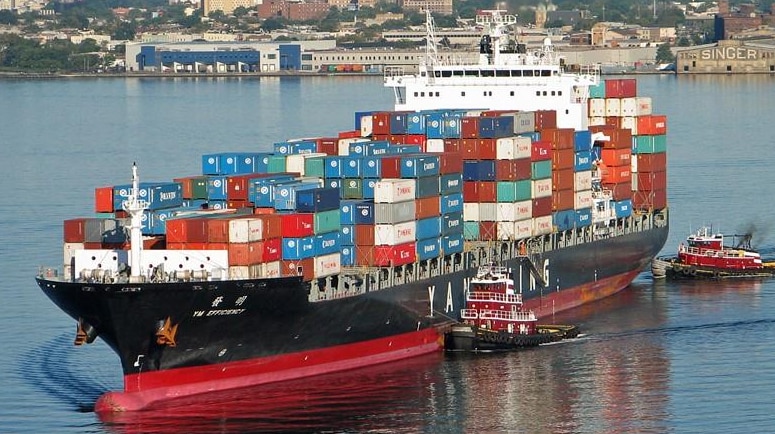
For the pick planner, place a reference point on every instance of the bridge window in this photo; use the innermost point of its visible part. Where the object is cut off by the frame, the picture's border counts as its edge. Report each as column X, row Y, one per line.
column 516, row 73
column 437, row 73
column 502, row 73
column 463, row 93
column 527, row 73
column 559, row 92
column 437, row 94
column 472, row 73
column 546, row 73
column 544, row 93
column 511, row 93
column 457, row 73
column 538, row 93
column 446, row 73
column 487, row 73
column 552, row 93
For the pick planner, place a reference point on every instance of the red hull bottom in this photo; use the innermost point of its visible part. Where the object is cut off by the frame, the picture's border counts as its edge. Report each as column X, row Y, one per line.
column 141, row 391
column 551, row 303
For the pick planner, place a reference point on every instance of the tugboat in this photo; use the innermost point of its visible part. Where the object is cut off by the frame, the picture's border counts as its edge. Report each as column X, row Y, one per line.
column 705, row 256
column 494, row 320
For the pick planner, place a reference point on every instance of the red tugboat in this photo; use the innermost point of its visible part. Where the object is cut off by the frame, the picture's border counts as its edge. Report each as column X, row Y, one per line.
column 705, row 256
column 494, row 320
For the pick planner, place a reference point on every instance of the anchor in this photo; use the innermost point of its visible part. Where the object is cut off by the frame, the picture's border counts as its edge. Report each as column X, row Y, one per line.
column 165, row 335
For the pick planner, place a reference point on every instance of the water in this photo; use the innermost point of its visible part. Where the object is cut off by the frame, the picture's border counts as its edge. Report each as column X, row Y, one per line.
column 658, row 357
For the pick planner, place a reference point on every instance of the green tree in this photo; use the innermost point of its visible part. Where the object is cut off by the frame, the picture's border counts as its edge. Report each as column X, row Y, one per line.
column 8, row 17
column 664, row 54
column 273, row 23
column 125, row 31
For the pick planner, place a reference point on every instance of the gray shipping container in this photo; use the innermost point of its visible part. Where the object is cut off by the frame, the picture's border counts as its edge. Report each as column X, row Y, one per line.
column 392, row 213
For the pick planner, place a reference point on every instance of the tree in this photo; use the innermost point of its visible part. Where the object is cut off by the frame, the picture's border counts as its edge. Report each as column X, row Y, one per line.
column 8, row 17
column 664, row 54
column 273, row 23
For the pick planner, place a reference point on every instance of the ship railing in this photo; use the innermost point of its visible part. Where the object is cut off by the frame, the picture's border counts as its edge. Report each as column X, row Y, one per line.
column 507, row 315
column 493, row 296
column 391, row 72
column 469, row 314
column 727, row 254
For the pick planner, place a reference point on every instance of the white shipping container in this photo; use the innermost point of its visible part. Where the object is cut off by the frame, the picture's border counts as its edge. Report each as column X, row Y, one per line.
column 630, row 123
column 515, row 211
column 637, row 106
column 524, row 122
column 597, row 121
column 394, row 190
column 488, row 212
column 542, row 225
column 505, row 231
column 239, row 272
column 613, row 107
column 582, row 180
column 390, row 213
column 524, row 147
column 435, row 146
column 541, row 188
column 367, row 125
column 634, row 179
column 582, row 199
column 471, row 212
column 523, row 229
column 597, row 107
column 328, row 265
column 505, row 148
column 246, row 230
column 343, row 145
column 634, row 168
column 393, row 235
column 265, row 270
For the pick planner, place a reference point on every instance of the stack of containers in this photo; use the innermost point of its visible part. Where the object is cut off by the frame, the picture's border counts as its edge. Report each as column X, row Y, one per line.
column 395, row 230
column 582, row 178
column 165, row 199
column 563, row 176
column 614, row 105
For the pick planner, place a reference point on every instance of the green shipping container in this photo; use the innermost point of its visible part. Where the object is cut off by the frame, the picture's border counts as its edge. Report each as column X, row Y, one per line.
column 471, row 231
column 276, row 164
column 506, row 191
column 352, row 188
column 524, row 190
column 541, row 169
column 314, row 166
column 597, row 91
column 327, row 221
column 649, row 144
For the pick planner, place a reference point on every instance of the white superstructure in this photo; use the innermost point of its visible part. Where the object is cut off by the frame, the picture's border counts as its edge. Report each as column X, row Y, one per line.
column 508, row 76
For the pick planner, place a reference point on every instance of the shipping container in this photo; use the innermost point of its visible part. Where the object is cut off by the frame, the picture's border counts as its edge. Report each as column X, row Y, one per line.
column 515, row 211
column 392, row 235
column 298, row 248
column 391, row 256
column 541, row 188
column 327, row 265
column 297, row 225
column 158, row 195
column 394, row 190
column 396, row 212
column 542, row 225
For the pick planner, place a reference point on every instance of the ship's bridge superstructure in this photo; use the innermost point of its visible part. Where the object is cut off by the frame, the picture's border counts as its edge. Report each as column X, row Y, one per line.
column 507, row 76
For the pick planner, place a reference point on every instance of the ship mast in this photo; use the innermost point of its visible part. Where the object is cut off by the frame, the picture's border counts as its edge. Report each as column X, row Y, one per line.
column 135, row 206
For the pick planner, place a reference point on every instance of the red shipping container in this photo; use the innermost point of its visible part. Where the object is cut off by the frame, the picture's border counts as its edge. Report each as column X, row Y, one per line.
column 450, row 162
column 561, row 138
column 471, row 191
column 648, row 181
column 218, row 230
column 563, row 159
column 364, row 256
column 416, row 139
column 427, row 207
column 328, row 145
column 349, row 134
column 304, row 268
column 297, row 225
column 613, row 122
column 176, row 246
column 620, row 191
column 615, row 174
column 245, row 253
column 652, row 125
column 618, row 138
column 513, row 170
column 392, row 256
column 237, row 186
column 563, row 200
column 563, row 179
column 272, row 250
column 391, row 167
column 621, row 88
column 263, row 210
column 545, row 119
column 187, row 230
column 238, row 204
column 479, row 149
column 542, row 206
column 103, row 199
column 204, row 246
column 488, row 231
column 541, row 150
column 272, row 225
column 364, row 235
column 453, row 145
column 616, row 157
column 488, row 191
column 652, row 162
column 469, row 127
column 651, row 200
column 75, row 230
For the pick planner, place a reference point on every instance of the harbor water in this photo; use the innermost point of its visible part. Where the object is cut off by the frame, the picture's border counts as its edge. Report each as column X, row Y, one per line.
column 657, row 357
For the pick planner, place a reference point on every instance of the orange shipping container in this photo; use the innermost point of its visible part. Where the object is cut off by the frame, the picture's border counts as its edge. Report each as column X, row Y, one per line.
column 512, row 170
column 542, row 206
column 272, row 225
column 304, row 268
column 103, row 199
column 479, row 149
column 648, row 181
column 364, row 235
column 615, row 174
column 545, row 119
column 656, row 199
column 561, row 138
column 450, row 162
column 616, row 157
column 652, row 125
column 427, row 207
column 187, row 230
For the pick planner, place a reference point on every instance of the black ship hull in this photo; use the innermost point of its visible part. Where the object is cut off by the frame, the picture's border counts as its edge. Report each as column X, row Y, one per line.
column 179, row 339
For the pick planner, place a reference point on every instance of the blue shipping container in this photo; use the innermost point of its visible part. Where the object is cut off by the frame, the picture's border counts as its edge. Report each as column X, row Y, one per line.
column 427, row 249
column 564, row 220
column 452, row 243
column 333, row 167
column 451, row 183
column 452, row 223
column 428, row 228
column 451, row 203
column 326, row 243
column 582, row 140
column 159, row 195
column 298, row 248
column 317, row 199
column 348, row 255
column 623, row 208
column 583, row 161
column 351, row 167
column 347, row 235
column 583, row 217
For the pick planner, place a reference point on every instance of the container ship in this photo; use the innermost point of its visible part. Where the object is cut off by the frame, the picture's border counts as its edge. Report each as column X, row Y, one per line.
column 358, row 248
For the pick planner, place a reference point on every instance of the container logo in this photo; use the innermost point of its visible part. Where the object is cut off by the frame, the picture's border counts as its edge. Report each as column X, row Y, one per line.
column 216, row 183
column 435, row 124
column 211, row 160
column 291, row 243
column 229, row 160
